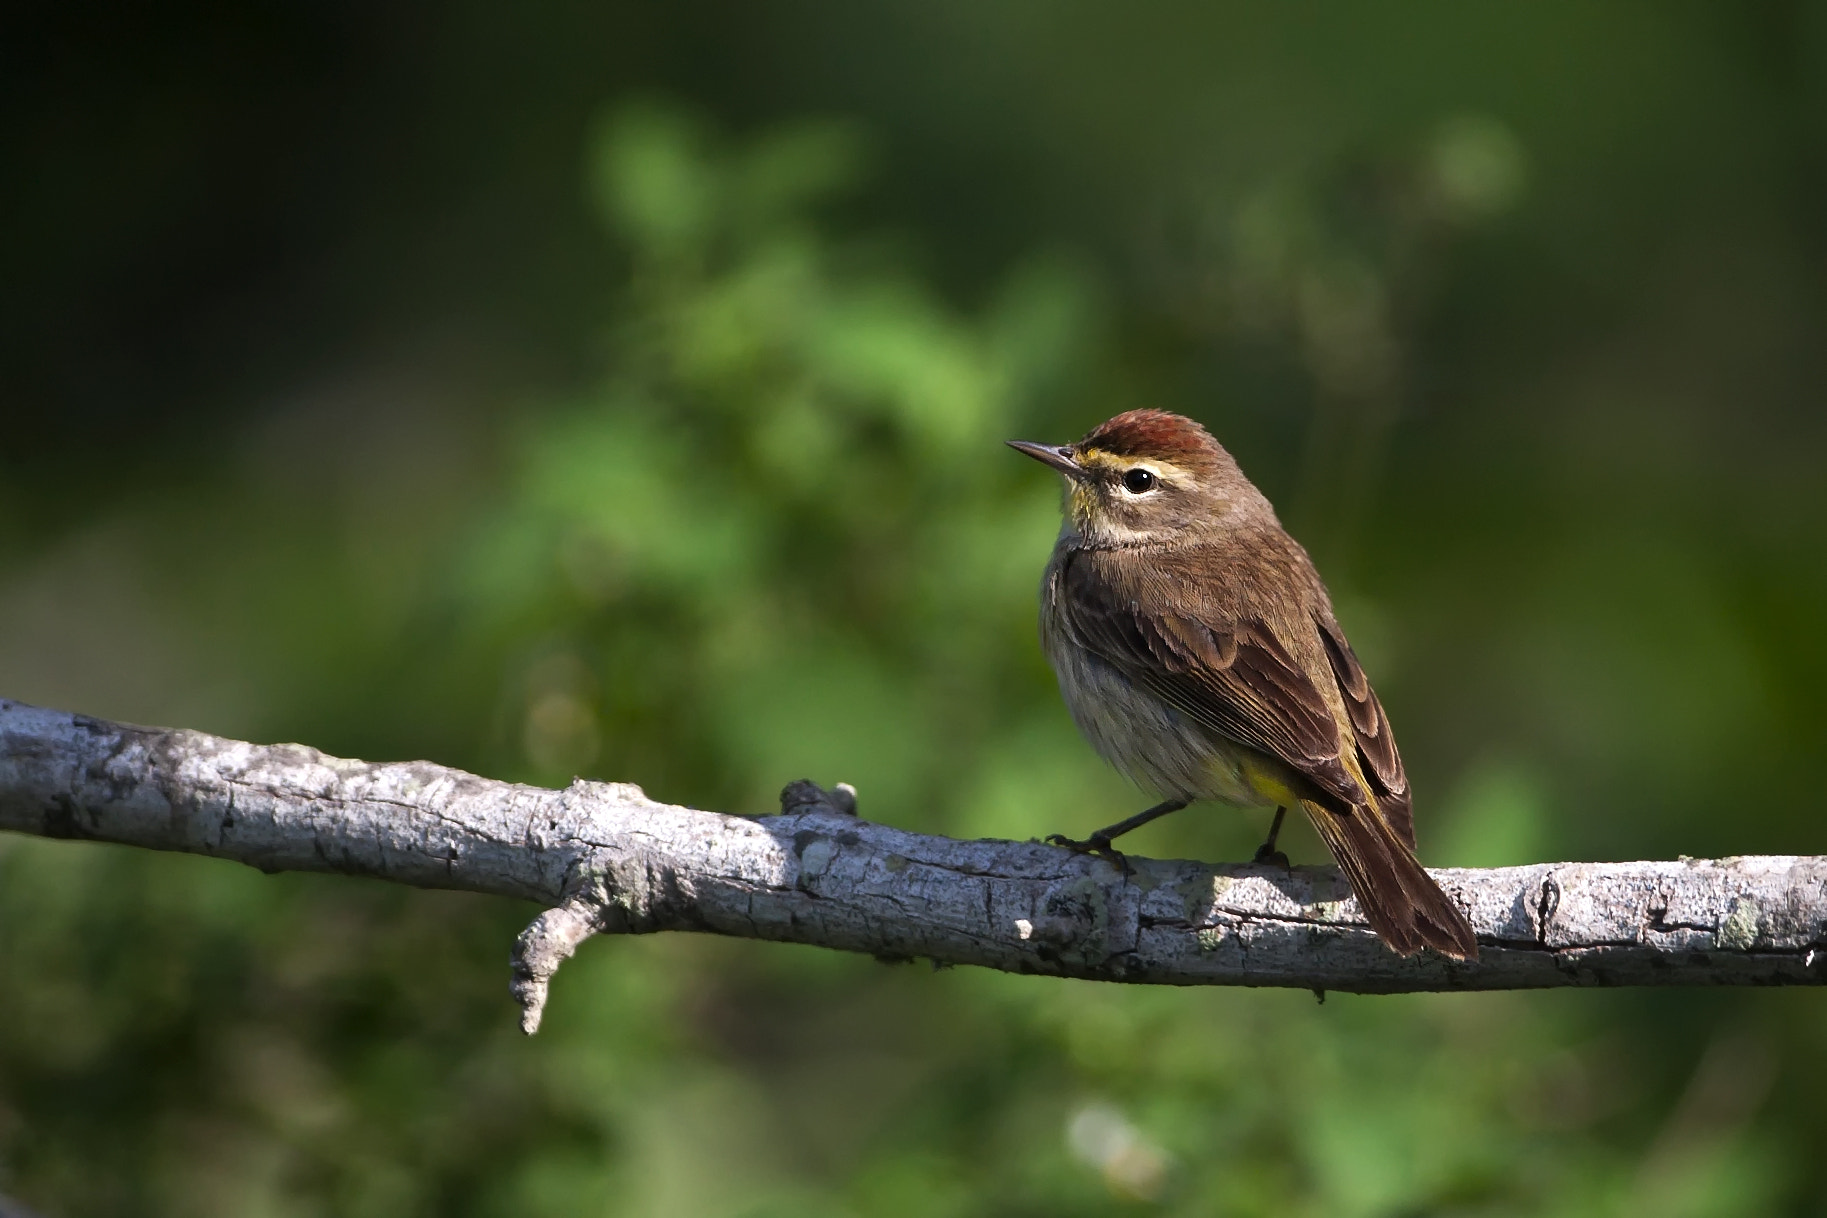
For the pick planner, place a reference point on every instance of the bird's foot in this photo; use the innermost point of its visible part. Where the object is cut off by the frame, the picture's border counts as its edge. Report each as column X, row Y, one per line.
column 1096, row 844
column 1268, row 856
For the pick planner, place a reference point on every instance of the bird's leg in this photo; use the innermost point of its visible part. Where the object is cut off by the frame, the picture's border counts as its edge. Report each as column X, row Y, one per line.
column 1099, row 842
column 1267, row 853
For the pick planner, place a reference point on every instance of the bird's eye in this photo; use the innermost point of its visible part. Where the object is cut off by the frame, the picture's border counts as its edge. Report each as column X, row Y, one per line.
column 1138, row 480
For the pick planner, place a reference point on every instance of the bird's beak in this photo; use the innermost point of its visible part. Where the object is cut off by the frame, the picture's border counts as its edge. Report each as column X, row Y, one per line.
column 1059, row 456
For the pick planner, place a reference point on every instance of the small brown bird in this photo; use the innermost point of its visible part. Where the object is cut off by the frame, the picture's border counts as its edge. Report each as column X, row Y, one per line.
column 1196, row 648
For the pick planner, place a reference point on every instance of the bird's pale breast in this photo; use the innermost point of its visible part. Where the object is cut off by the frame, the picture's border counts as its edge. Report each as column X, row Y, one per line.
column 1156, row 746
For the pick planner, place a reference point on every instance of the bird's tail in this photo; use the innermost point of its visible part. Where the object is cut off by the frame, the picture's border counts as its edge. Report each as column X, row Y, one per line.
column 1399, row 899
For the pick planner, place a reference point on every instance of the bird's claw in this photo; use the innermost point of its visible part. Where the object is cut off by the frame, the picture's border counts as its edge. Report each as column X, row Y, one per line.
column 1095, row 844
column 1267, row 857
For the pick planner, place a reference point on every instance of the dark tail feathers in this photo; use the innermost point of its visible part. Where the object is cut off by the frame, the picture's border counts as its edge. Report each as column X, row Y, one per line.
column 1401, row 901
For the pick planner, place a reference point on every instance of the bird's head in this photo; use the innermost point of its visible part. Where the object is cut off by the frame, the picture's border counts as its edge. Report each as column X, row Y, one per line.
column 1148, row 477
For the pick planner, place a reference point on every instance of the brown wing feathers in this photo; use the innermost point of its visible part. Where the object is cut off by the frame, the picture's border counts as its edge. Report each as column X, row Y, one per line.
column 1239, row 682
column 1375, row 742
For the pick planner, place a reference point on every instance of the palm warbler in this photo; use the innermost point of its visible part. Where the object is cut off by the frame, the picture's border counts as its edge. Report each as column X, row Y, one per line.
column 1196, row 648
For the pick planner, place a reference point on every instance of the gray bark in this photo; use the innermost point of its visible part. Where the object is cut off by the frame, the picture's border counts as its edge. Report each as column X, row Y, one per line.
column 602, row 857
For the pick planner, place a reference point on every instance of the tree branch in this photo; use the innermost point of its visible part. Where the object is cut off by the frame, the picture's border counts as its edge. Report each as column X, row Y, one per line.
column 603, row 858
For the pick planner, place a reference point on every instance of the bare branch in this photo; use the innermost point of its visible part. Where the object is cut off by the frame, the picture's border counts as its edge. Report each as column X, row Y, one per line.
column 602, row 857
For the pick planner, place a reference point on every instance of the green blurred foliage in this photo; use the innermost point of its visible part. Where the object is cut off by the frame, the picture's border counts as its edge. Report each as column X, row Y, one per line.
column 1564, row 481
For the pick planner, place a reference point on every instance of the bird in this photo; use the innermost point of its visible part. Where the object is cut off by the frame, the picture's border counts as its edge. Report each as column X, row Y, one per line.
column 1197, row 651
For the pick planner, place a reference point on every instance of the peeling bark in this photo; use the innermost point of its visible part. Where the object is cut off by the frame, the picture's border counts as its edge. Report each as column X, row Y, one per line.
column 603, row 858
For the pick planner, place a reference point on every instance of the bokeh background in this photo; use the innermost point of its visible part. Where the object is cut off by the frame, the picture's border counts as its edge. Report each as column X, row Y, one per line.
column 617, row 389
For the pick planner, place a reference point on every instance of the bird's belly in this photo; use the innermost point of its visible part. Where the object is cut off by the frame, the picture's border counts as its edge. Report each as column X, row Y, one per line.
column 1155, row 745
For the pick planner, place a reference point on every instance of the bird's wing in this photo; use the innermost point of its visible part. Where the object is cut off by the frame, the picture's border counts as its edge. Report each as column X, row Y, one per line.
column 1237, row 679
column 1378, row 759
